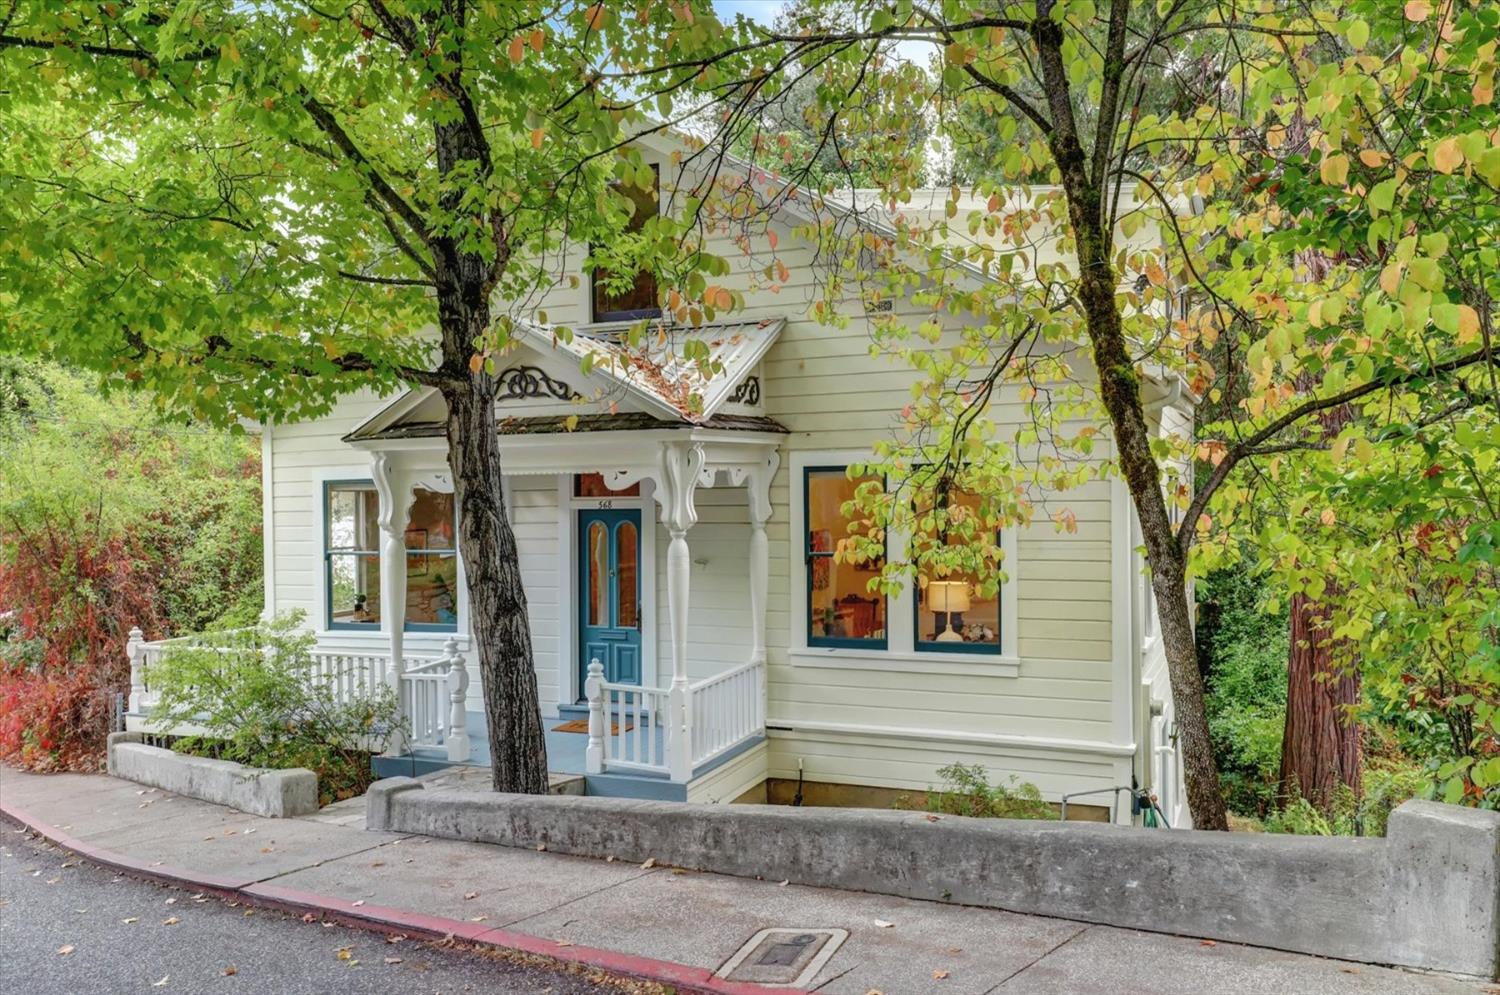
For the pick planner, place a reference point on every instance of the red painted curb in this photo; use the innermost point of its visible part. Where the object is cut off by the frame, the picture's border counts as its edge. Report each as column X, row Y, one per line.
column 384, row 919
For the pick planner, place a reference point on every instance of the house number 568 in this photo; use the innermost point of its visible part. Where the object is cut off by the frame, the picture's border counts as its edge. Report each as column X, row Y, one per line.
column 606, row 505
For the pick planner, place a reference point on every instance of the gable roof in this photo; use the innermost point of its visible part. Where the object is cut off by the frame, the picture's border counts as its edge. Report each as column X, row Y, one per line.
column 661, row 388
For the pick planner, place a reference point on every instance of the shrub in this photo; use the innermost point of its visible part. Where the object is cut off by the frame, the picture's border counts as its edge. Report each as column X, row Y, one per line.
column 52, row 723
column 257, row 697
column 967, row 790
column 1244, row 651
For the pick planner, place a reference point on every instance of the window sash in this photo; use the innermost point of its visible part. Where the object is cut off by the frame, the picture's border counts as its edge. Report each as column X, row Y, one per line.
column 329, row 555
column 810, row 556
column 980, row 649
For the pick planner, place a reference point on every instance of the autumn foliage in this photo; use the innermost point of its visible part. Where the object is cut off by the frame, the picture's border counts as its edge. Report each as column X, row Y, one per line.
column 107, row 520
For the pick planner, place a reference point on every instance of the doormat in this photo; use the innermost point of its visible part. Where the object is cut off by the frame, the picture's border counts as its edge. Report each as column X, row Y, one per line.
column 582, row 725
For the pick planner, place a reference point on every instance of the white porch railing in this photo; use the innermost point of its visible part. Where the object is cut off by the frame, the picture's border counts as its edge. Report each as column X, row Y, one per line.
column 631, row 727
column 725, row 711
column 430, row 691
column 432, row 695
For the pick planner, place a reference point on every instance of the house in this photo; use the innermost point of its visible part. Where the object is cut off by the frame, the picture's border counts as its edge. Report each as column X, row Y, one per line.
column 689, row 619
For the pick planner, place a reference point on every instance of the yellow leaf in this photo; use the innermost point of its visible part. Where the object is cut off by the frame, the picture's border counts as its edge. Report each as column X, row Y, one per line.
column 1328, row 517
column 1334, row 169
column 1340, row 449
column 1363, row 450
column 571, row 422
column 1483, row 91
column 475, row 362
column 1468, row 324
column 1372, row 157
column 1418, row 10
column 1446, row 156
column 1156, row 274
column 1390, row 278
column 537, row 134
column 596, row 16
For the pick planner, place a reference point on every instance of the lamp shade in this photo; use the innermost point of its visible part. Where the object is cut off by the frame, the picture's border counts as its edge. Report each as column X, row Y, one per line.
column 948, row 596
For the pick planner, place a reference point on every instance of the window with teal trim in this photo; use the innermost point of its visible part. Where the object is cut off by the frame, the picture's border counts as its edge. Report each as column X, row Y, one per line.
column 351, row 554
column 953, row 613
column 841, row 609
column 431, row 563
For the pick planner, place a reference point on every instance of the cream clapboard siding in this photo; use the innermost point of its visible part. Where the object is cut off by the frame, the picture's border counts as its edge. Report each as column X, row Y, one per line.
column 305, row 454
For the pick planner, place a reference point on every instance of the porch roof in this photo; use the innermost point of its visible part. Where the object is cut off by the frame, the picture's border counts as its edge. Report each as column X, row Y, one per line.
column 623, row 421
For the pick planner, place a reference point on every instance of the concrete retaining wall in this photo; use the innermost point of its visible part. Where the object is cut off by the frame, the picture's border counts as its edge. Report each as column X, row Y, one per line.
column 272, row 793
column 1426, row 896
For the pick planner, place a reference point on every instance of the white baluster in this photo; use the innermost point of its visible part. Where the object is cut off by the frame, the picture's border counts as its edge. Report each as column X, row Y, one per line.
column 593, row 755
column 135, row 651
column 458, row 691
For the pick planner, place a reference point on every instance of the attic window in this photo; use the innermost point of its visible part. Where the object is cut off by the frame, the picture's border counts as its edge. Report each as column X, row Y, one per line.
column 639, row 299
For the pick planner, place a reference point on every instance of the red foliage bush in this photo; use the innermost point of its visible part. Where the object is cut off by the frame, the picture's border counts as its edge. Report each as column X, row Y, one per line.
column 52, row 723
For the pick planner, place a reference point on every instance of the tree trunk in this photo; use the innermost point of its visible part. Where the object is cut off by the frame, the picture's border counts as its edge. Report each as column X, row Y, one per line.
column 492, row 567
column 1320, row 744
column 1119, row 391
column 497, row 598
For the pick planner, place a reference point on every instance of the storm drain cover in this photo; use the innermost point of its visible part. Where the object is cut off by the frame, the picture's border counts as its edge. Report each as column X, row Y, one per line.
column 783, row 958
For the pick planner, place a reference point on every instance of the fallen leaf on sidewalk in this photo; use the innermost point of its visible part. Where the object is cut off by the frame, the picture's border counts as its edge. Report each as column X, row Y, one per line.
column 470, row 894
column 1208, row 943
column 478, row 918
column 939, row 975
column 131, row 920
column 783, row 884
column 171, row 901
column 358, row 903
column 650, row 863
column 53, row 880
column 70, row 863
column 565, row 943
column 231, row 970
column 609, row 859
column 249, row 831
column 249, row 912
column 393, row 960
column 933, row 818
column 1349, row 970
column 346, row 953
column 163, row 981
column 267, row 849
column 541, row 848
column 874, row 991
column 955, row 950
column 65, row 949
column 377, row 863
column 883, row 924
column 309, row 917
column 171, row 921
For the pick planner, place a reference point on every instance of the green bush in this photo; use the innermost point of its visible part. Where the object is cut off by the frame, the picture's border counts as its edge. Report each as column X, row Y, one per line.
column 1243, row 651
column 260, row 703
column 967, row 790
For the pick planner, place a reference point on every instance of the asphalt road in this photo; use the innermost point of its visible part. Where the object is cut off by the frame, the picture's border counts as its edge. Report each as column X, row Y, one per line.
column 68, row 927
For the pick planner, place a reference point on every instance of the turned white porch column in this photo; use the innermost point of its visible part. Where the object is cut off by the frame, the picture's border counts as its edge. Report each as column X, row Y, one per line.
column 395, row 495
column 758, row 496
column 681, row 465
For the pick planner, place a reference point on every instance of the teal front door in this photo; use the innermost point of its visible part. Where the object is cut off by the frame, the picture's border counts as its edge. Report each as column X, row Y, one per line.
column 609, row 594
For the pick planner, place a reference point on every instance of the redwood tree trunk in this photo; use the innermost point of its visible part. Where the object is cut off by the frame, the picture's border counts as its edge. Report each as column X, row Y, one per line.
column 1320, row 744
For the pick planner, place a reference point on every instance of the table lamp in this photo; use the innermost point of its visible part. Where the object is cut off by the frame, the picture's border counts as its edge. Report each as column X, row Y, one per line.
column 948, row 597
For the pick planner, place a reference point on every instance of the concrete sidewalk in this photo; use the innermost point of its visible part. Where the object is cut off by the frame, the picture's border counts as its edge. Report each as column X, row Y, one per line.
column 656, row 923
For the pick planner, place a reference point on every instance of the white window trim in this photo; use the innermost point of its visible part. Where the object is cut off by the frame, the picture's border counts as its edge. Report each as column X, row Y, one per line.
column 900, row 653
column 568, row 506
column 374, row 640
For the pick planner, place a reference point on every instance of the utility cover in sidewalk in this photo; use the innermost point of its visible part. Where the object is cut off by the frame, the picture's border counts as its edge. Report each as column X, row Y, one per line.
column 783, row 958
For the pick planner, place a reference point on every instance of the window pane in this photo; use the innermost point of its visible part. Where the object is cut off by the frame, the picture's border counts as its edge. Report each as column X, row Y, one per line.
column 430, row 523
column 627, row 547
column 593, row 485
column 640, row 296
column 598, row 609
column 353, row 518
column 841, row 606
column 431, row 589
column 354, row 588
column 951, row 614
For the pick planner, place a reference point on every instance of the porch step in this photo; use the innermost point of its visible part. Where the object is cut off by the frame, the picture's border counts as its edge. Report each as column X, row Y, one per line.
column 634, row 786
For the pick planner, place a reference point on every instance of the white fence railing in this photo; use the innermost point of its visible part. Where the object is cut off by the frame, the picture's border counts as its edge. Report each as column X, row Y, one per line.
column 726, row 709
column 431, row 692
column 632, row 728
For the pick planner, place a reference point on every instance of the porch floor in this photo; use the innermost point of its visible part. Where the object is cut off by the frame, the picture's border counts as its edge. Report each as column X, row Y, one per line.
column 565, row 760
